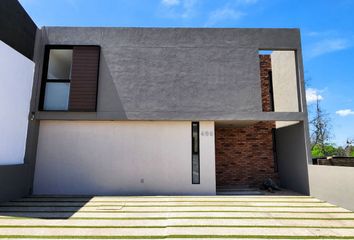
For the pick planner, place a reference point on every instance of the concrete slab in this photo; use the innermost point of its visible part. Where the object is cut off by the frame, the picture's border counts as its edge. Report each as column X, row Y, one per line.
column 175, row 217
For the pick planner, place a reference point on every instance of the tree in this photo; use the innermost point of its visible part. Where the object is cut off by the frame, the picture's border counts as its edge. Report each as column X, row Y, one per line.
column 349, row 149
column 327, row 150
column 341, row 152
column 320, row 131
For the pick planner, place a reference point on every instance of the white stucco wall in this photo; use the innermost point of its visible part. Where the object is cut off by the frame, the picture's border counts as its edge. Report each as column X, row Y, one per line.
column 285, row 90
column 105, row 158
column 333, row 184
column 16, row 74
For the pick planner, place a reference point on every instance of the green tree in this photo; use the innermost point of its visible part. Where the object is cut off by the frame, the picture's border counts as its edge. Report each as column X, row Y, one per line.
column 327, row 150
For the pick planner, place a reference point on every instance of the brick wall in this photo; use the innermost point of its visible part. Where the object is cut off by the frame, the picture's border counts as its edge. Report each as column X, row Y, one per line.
column 265, row 68
column 244, row 156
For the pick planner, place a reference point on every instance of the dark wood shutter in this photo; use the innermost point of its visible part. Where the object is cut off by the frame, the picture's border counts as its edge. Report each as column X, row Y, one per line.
column 84, row 77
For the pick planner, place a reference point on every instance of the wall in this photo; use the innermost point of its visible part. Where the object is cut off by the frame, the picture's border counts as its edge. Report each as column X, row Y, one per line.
column 285, row 81
column 17, row 40
column 16, row 28
column 244, row 155
column 333, row 184
column 292, row 157
column 175, row 73
column 265, row 68
column 16, row 73
column 76, row 157
column 14, row 181
column 336, row 161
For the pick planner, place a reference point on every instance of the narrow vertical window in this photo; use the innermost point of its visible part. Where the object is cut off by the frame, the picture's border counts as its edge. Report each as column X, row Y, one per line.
column 195, row 154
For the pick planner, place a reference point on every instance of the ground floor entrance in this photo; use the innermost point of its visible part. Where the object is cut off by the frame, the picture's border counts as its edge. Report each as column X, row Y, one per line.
column 245, row 154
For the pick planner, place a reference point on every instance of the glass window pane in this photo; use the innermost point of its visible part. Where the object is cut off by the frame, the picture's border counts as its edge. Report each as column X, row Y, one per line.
column 195, row 154
column 56, row 96
column 59, row 65
column 195, row 169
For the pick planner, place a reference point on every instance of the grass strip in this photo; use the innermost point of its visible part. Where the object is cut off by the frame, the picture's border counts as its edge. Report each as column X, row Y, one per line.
column 177, row 226
column 167, row 196
column 159, row 206
column 127, row 201
column 164, row 218
column 184, row 211
column 177, row 237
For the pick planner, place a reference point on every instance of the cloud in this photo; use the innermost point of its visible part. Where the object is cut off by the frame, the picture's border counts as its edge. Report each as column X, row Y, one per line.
column 170, row 2
column 312, row 95
column 345, row 112
column 178, row 8
column 234, row 10
column 223, row 14
column 327, row 46
column 322, row 34
column 188, row 8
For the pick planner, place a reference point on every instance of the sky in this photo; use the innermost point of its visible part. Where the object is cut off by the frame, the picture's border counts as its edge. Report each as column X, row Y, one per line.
column 327, row 32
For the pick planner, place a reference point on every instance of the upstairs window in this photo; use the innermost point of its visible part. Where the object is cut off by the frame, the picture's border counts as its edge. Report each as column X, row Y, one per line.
column 57, row 82
column 70, row 77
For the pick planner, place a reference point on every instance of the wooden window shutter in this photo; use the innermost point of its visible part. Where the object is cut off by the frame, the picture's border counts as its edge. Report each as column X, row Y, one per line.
column 84, row 77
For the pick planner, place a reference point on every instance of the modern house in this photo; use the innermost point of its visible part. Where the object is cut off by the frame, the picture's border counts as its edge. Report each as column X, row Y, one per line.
column 140, row 111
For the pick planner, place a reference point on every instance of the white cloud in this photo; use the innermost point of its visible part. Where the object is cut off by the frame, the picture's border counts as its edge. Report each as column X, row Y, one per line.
column 233, row 10
column 328, row 46
column 222, row 14
column 178, row 8
column 188, row 8
column 345, row 112
column 317, row 34
column 312, row 95
column 170, row 2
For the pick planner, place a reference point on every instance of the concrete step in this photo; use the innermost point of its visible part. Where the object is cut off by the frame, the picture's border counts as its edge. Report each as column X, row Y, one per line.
column 237, row 190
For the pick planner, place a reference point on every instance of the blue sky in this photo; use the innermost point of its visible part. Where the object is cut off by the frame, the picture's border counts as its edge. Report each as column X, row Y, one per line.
column 327, row 28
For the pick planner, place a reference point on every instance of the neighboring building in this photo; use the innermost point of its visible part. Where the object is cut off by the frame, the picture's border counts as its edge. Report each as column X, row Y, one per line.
column 164, row 111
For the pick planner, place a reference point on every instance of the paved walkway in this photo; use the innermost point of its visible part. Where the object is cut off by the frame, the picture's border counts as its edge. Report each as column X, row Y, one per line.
column 188, row 217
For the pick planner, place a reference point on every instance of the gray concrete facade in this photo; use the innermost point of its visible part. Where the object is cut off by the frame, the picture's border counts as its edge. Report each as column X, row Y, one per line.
column 291, row 155
column 177, row 73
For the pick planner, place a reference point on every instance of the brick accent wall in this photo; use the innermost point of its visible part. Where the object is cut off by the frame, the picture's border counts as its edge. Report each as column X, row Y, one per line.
column 265, row 68
column 244, row 156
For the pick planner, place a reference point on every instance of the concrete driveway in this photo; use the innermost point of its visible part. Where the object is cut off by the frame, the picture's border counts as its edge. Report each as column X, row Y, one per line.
column 187, row 217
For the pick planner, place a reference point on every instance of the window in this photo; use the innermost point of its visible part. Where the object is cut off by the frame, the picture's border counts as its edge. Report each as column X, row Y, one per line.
column 195, row 154
column 70, row 76
column 57, row 81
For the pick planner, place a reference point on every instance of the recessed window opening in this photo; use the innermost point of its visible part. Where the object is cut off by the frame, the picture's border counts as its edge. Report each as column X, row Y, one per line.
column 70, row 78
column 195, row 154
column 279, row 81
column 57, row 81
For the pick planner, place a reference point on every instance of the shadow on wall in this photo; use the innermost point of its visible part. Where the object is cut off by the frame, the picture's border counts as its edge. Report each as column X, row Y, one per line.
column 108, row 97
column 46, row 207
